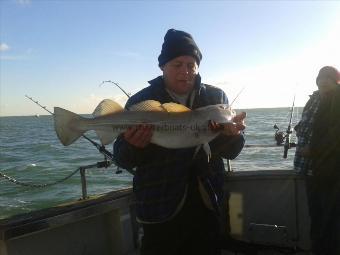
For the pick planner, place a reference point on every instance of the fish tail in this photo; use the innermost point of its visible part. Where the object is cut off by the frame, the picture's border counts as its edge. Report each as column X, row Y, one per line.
column 64, row 125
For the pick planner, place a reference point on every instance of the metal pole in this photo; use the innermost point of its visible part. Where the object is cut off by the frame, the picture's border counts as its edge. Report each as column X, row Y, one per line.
column 83, row 183
column 229, row 165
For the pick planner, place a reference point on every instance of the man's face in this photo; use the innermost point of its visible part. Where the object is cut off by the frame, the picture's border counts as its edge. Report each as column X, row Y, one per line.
column 179, row 74
column 326, row 85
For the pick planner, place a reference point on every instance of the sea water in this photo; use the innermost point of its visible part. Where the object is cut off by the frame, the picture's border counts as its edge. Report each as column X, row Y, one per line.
column 30, row 152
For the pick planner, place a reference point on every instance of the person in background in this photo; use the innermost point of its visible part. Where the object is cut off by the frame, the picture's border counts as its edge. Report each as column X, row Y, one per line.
column 302, row 160
column 179, row 192
column 324, row 184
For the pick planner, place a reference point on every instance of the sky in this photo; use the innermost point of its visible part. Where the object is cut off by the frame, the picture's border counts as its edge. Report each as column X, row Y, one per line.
column 58, row 52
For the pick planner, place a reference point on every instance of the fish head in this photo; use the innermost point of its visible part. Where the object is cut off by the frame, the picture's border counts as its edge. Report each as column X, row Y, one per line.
column 220, row 113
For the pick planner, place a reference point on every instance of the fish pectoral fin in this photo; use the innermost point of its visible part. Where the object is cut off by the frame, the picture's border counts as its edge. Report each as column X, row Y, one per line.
column 107, row 106
column 106, row 135
column 206, row 148
column 197, row 150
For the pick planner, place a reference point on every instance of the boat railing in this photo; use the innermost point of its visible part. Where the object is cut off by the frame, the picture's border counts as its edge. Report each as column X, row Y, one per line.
column 82, row 171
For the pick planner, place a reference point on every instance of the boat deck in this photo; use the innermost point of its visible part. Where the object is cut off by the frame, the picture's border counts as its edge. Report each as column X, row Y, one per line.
column 264, row 207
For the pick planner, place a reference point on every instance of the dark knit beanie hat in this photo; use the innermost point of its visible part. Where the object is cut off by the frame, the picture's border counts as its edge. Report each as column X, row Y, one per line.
column 329, row 72
column 178, row 43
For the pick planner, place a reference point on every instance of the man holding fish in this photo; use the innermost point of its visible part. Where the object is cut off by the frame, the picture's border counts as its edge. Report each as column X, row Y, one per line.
column 179, row 189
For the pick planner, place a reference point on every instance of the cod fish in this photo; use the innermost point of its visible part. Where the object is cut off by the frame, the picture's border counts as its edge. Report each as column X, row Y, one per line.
column 174, row 125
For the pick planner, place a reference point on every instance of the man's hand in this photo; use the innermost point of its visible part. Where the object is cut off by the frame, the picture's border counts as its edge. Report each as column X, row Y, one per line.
column 234, row 128
column 139, row 136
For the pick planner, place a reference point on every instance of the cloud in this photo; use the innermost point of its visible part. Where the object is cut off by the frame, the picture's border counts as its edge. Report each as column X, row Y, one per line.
column 27, row 54
column 4, row 47
column 23, row 2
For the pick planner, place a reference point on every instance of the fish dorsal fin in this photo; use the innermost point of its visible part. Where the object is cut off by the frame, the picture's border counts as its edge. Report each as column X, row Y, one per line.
column 107, row 106
column 152, row 105
column 173, row 107
column 148, row 105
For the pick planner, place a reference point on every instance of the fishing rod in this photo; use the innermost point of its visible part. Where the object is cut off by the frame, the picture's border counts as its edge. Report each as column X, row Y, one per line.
column 106, row 163
column 37, row 103
column 101, row 148
column 115, row 83
column 289, row 131
column 238, row 94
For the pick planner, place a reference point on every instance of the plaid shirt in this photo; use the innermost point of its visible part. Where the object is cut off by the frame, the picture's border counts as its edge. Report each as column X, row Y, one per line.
column 304, row 133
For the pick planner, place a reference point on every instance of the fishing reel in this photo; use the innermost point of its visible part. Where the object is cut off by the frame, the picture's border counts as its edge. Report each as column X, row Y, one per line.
column 279, row 135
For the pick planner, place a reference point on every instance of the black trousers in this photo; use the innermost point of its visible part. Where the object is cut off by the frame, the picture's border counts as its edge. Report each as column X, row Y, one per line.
column 194, row 230
column 324, row 210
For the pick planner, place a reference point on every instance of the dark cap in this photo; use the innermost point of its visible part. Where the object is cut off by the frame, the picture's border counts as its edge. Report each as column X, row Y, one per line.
column 329, row 72
column 178, row 43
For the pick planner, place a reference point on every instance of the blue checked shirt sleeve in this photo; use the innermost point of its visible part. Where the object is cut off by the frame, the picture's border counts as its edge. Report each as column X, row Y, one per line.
column 304, row 133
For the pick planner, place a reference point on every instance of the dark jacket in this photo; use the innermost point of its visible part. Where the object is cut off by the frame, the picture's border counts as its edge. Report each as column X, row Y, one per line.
column 162, row 174
column 325, row 141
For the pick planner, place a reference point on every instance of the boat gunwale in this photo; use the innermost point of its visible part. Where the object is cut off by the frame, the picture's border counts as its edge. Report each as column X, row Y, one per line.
column 32, row 222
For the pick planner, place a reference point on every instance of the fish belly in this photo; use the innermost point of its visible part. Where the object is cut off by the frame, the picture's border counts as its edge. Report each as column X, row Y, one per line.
column 183, row 139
